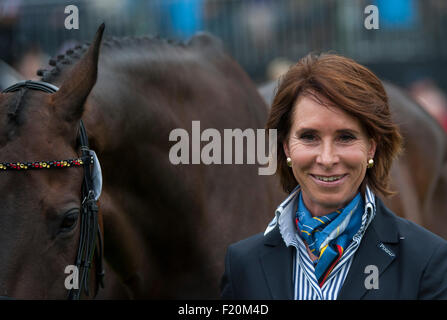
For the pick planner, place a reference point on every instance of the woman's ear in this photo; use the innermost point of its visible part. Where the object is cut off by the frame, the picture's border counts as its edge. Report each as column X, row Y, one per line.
column 285, row 147
column 372, row 148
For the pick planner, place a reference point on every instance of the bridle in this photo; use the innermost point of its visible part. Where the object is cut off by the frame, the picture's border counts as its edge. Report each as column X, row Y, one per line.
column 89, row 226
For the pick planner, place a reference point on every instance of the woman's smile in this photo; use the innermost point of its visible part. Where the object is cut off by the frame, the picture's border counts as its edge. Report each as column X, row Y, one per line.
column 329, row 180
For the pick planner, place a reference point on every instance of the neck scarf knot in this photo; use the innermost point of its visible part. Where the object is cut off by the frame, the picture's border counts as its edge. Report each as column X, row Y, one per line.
column 328, row 236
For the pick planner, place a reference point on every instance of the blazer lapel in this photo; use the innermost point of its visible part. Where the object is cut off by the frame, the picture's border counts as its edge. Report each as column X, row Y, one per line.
column 378, row 248
column 276, row 261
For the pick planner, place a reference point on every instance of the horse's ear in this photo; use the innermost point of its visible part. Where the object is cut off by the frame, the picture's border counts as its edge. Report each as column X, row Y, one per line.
column 79, row 82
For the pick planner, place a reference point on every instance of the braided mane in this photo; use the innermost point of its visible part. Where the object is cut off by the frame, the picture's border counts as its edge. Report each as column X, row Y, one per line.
column 72, row 55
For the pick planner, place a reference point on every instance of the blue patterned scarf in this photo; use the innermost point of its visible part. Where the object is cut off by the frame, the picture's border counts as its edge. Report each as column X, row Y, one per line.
column 328, row 236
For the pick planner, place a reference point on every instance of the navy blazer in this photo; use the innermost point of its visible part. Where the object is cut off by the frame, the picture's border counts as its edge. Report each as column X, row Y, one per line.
column 411, row 262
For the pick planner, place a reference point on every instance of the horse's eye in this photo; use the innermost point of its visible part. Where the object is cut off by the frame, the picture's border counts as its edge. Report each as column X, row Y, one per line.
column 69, row 221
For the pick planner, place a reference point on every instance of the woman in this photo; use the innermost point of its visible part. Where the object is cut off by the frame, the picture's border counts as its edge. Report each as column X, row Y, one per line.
column 333, row 238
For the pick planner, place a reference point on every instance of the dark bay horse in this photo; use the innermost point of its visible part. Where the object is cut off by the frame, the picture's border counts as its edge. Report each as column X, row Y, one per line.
column 419, row 175
column 165, row 226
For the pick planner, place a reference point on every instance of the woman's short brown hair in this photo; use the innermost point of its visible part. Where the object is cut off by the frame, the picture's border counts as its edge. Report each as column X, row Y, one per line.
column 349, row 86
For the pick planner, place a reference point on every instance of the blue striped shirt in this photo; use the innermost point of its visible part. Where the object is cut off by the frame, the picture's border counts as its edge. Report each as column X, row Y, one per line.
column 305, row 282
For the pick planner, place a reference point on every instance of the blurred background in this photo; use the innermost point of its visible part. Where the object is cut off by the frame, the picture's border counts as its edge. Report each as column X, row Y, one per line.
column 264, row 36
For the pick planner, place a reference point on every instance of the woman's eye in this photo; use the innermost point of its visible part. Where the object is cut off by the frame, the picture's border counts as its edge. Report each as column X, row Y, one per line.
column 346, row 138
column 307, row 137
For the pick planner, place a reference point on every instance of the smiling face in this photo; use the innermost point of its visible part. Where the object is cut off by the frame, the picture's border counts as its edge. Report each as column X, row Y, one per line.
column 329, row 151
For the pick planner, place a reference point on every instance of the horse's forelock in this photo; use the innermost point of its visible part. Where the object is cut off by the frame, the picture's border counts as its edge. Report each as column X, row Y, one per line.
column 15, row 107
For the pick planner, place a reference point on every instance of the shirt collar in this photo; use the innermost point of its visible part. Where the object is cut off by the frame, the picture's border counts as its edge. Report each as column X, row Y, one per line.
column 285, row 213
column 286, row 207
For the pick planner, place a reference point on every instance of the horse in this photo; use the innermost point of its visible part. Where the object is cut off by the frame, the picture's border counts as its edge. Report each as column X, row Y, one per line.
column 419, row 175
column 165, row 227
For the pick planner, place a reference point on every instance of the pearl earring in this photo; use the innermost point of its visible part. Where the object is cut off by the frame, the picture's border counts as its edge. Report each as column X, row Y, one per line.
column 370, row 163
column 289, row 161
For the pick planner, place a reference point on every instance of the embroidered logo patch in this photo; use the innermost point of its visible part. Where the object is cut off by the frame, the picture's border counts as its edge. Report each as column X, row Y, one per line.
column 386, row 250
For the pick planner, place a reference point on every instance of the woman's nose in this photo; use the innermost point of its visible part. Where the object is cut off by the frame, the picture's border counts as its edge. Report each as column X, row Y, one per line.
column 327, row 156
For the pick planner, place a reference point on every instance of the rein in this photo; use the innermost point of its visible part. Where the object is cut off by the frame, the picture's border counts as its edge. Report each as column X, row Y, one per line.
column 90, row 230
